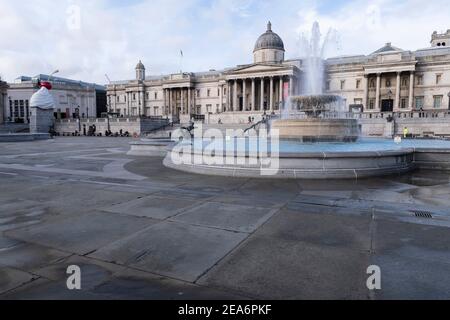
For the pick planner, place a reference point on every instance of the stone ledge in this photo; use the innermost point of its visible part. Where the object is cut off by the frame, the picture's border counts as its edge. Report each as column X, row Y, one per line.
column 23, row 137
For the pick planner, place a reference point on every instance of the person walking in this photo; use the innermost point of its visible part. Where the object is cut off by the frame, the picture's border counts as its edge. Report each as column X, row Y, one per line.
column 405, row 132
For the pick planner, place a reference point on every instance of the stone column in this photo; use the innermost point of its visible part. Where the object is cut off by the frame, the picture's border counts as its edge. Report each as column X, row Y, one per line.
column 253, row 95
column 189, row 102
column 397, row 92
column 291, row 86
column 221, row 98
column 235, row 96
column 271, row 94
column 194, row 100
column 262, row 95
column 169, row 101
column 163, row 111
column 142, row 103
column 281, row 93
column 228, row 102
column 244, row 94
column 183, row 111
column 378, row 91
column 366, row 92
column 129, row 95
column 411, row 90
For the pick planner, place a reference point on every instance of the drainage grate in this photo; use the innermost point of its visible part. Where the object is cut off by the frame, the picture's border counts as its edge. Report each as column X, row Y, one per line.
column 422, row 214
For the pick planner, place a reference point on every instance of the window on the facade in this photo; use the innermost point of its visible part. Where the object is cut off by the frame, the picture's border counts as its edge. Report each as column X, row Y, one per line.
column 372, row 83
column 198, row 93
column 438, row 78
column 404, row 82
column 156, row 95
column 11, row 108
column 125, row 98
column 134, row 96
column 342, row 84
column 419, row 102
column 118, row 98
column 419, row 80
column 328, row 85
column 358, row 84
column 372, row 104
column 21, row 108
column 388, row 83
column 437, row 102
column 147, row 96
column 16, row 108
column 403, row 103
column 208, row 93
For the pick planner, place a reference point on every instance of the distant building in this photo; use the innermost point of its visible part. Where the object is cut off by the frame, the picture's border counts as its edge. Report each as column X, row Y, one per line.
column 72, row 98
column 388, row 80
column 3, row 95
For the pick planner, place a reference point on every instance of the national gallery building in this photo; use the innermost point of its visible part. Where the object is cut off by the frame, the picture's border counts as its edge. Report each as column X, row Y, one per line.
column 388, row 80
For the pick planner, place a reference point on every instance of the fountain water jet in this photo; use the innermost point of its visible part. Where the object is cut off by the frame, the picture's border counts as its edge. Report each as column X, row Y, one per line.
column 305, row 118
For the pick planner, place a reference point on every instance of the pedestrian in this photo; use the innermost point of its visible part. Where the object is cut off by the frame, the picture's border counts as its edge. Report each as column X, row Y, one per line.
column 405, row 132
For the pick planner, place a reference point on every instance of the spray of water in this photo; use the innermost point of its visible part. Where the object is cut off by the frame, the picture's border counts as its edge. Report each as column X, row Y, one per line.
column 313, row 51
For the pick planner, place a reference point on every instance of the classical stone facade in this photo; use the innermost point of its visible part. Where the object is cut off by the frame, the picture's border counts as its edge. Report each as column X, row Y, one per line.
column 244, row 90
column 393, row 80
column 3, row 95
column 388, row 80
column 71, row 98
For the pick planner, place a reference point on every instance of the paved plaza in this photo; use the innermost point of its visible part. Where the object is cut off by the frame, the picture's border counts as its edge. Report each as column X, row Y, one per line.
column 139, row 230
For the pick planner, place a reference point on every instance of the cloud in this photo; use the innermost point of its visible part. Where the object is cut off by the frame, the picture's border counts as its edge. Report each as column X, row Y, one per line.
column 110, row 36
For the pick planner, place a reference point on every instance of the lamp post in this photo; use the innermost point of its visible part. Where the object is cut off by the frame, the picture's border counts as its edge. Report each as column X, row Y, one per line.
column 52, row 74
column 390, row 93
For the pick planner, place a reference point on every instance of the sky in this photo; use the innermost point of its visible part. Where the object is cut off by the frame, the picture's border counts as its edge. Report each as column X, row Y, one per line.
column 85, row 40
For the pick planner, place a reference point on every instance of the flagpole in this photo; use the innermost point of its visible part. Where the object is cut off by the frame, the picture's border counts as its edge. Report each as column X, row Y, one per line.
column 181, row 61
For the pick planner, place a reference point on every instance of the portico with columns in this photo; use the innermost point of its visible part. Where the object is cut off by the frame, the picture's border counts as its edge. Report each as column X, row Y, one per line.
column 388, row 86
column 259, row 88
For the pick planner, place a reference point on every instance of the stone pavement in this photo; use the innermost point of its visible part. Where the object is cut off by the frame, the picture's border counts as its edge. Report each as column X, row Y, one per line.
column 141, row 231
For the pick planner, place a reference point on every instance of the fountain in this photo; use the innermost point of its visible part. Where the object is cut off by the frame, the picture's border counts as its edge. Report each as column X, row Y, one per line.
column 313, row 127
column 306, row 122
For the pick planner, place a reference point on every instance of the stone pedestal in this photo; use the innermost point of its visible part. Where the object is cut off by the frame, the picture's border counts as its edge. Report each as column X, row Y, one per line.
column 389, row 129
column 41, row 120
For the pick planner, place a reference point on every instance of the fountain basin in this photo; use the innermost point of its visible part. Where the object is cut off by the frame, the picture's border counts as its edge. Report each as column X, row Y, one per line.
column 151, row 147
column 317, row 130
column 293, row 160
